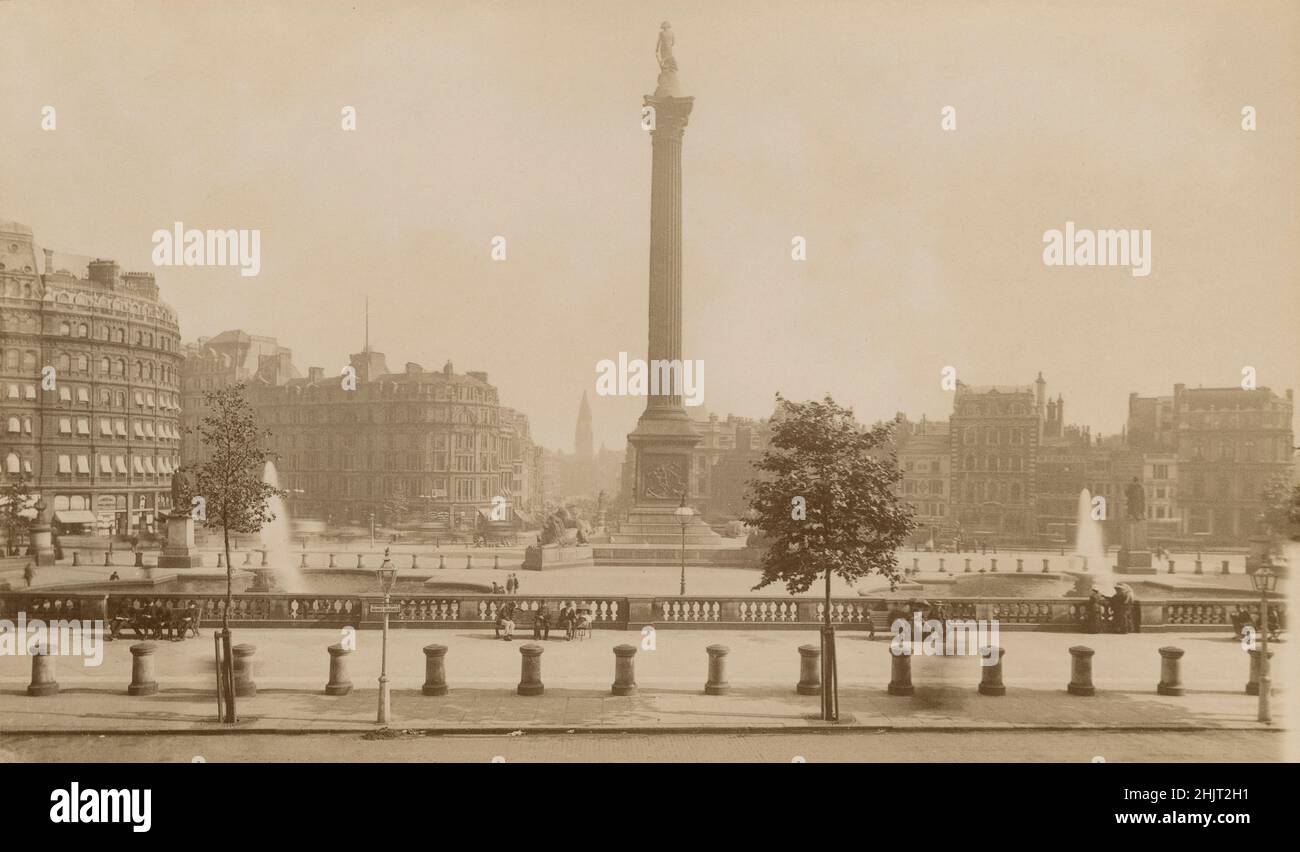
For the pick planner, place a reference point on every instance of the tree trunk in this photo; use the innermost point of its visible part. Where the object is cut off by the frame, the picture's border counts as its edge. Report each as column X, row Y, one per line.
column 830, row 688
column 226, row 677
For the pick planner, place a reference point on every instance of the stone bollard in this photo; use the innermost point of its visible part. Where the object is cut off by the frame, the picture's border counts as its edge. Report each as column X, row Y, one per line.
column 991, row 677
column 142, row 680
column 624, row 670
column 993, row 566
column 1171, row 566
column 244, row 684
column 942, row 570
column 339, row 682
column 1198, row 567
column 1081, row 671
column 435, row 670
column 530, row 672
column 1223, row 571
column 248, row 557
column 1252, row 685
column 468, row 563
column 266, row 558
column 333, row 564
column 43, row 682
column 1171, row 671
column 139, row 559
column 1020, row 566
column 76, row 559
column 900, row 669
column 221, row 560
column 415, row 563
column 1045, row 561
column 360, row 564
column 442, row 560
column 717, row 682
column 810, row 670
column 303, row 564
column 967, row 566
column 916, row 565
column 108, row 557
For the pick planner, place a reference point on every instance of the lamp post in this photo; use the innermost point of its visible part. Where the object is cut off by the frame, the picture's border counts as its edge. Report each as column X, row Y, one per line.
column 387, row 577
column 684, row 514
column 1264, row 581
column 372, row 529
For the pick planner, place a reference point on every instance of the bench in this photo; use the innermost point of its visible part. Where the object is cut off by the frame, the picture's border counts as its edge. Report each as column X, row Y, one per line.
column 525, row 621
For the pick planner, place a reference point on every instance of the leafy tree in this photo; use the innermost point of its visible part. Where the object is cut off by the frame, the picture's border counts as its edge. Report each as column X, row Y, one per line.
column 1281, row 514
column 16, row 511
column 826, row 503
column 233, row 496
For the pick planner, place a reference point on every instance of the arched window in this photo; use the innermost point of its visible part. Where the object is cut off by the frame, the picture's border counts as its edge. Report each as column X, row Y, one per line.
column 119, row 336
column 83, row 330
column 29, row 360
column 104, row 366
column 65, row 329
column 11, row 463
column 83, row 363
column 64, row 362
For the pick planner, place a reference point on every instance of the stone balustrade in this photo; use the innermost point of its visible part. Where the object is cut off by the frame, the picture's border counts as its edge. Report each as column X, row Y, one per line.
column 281, row 609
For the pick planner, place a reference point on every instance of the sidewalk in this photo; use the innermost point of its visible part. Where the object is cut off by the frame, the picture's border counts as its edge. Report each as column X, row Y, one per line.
column 291, row 668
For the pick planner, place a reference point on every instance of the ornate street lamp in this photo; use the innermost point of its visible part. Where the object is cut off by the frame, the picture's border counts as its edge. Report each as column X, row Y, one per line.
column 387, row 574
column 684, row 514
column 1264, row 581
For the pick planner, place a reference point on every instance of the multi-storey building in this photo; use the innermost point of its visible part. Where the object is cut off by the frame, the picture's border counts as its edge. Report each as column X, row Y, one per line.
column 230, row 358
column 91, row 389
column 418, row 443
column 994, row 433
column 1228, row 444
column 924, row 457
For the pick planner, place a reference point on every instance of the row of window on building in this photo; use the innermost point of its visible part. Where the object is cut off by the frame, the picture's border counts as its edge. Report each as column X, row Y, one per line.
column 109, row 465
column 143, row 429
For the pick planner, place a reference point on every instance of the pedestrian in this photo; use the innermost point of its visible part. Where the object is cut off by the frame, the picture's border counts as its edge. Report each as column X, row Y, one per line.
column 568, row 616
column 29, row 572
column 114, row 576
column 506, row 620
column 1095, row 605
column 516, row 583
column 542, row 623
column 510, row 584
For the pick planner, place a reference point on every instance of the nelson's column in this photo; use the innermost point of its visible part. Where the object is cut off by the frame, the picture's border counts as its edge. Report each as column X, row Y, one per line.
column 663, row 439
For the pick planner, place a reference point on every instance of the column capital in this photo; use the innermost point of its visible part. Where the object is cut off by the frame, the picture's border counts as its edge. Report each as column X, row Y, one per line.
column 671, row 114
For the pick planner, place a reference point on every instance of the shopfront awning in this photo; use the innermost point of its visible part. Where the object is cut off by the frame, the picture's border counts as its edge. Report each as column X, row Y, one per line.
column 75, row 516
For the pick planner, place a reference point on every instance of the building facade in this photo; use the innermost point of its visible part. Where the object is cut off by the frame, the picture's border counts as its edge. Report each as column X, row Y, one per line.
column 994, row 434
column 413, row 445
column 1226, row 445
column 230, row 358
column 91, row 379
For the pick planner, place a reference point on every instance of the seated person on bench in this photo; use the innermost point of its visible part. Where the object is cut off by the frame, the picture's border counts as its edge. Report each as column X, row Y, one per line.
column 542, row 623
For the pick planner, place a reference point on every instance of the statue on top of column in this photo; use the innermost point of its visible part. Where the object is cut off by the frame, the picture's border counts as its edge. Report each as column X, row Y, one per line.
column 667, row 86
column 664, row 49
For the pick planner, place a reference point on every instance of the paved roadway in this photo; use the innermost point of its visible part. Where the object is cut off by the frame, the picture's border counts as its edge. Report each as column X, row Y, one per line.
column 812, row 747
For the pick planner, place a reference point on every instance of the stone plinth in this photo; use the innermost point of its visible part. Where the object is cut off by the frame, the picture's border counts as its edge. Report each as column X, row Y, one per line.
column 557, row 556
column 1134, row 557
column 180, row 552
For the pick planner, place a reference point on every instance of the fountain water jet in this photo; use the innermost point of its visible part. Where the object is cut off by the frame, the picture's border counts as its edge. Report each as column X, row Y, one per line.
column 1090, row 548
column 278, row 569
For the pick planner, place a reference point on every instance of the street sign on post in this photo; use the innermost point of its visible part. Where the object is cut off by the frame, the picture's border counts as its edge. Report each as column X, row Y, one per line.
column 381, row 609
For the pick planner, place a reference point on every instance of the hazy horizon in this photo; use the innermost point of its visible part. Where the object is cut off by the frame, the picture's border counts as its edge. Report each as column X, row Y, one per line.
column 820, row 120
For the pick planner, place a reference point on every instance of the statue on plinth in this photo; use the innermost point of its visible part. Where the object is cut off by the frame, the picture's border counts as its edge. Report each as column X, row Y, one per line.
column 667, row 86
column 1136, row 499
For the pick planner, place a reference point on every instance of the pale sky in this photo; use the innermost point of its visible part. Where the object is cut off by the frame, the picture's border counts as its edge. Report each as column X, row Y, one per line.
column 821, row 120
